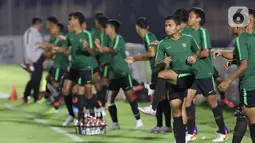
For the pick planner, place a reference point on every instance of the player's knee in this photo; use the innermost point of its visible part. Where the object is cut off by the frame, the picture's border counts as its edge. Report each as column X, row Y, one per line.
column 212, row 103
column 161, row 75
column 65, row 92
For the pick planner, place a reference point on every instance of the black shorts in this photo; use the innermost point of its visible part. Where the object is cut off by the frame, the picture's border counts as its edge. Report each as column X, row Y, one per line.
column 57, row 73
column 247, row 98
column 122, row 82
column 105, row 71
column 205, row 85
column 184, row 81
column 153, row 80
column 216, row 73
column 80, row 77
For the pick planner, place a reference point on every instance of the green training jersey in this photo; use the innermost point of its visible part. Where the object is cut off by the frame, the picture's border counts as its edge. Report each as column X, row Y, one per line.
column 148, row 38
column 245, row 50
column 104, row 41
column 90, row 41
column 253, row 33
column 179, row 50
column 118, row 64
column 95, row 31
column 81, row 59
column 204, row 65
column 61, row 60
column 187, row 30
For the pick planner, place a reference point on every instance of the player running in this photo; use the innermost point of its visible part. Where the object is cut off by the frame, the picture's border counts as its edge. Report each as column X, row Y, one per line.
column 81, row 70
column 204, row 81
column 243, row 54
column 142, row 28
column 104, row 59
column 121, row 73
column 60, row 58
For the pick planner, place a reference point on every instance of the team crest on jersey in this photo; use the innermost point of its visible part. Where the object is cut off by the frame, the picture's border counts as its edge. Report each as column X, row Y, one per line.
column 81, row 40
column 184, row 45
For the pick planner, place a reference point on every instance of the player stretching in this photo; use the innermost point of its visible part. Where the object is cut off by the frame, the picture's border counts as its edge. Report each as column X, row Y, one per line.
column 142, row 28
column 183, row 51
column 121, row 73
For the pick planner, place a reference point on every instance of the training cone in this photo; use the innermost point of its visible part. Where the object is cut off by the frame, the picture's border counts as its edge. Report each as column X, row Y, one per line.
column 14, row 93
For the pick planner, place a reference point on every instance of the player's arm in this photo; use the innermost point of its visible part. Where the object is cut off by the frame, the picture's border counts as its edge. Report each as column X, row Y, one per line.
column 196, row 51
column 205, row 43
column 151, row 51
column 90, row 46
column 146, row 56
column 118, row 45
column 228, row 55
column 159, row 59
column 242, row 50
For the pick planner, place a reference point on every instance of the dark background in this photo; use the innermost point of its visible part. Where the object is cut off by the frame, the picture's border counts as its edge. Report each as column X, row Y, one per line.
column 16, row 14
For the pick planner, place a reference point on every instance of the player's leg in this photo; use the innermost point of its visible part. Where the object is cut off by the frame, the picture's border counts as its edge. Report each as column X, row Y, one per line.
column 248, row 100
column 160, row 88
column 165, row 106
column 207, row 87
column 223, row 98
column 178, row 127
column 72, row 75
column 127, row 86
column 191, row 94
column 113, row 90
column 240, row 126
column 104, row 83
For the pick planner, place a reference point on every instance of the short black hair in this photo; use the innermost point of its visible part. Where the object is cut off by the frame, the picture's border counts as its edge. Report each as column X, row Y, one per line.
column 52, row 19
column 142, row 22
column 61, row 27
column 200, row 13
column 183, row 15
column 36, row 20
column 175, row 18
column 252, row 12
column 98, row 14
column 102, row 20
column 79, row 16
column 115, row 23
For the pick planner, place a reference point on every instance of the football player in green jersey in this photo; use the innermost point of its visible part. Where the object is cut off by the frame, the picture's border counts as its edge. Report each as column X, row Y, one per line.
column 81, row 70
column 204, row 81
column 243, row 55
column 121, row 74
column 241, row 121
column 104, row 59
column 142, row 29
column 181, row 51
column 60, row 64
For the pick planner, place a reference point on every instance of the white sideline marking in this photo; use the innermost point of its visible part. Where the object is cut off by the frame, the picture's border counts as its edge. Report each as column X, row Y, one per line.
column 41, row 121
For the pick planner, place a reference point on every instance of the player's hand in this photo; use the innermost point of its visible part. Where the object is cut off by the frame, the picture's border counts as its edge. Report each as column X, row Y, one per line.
column 30, row 62
column 38, row 44
column 224, row 85
column 85, row 44
column 217, row 53
column 97, row 43
column 130, row 60
column 227, row 64
column 154, row 43
column 61, row 37
column 192, row 59
column 167, row 60
column 56, row 49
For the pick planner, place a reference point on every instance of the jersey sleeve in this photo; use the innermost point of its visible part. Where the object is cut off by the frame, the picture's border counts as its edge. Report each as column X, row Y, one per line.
column 241, row 48
column 90, row 40
column 67, row 41
column 160, row 52
column 205, row 39
column 149, row 38
column 194, row 45
column 118, row 44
